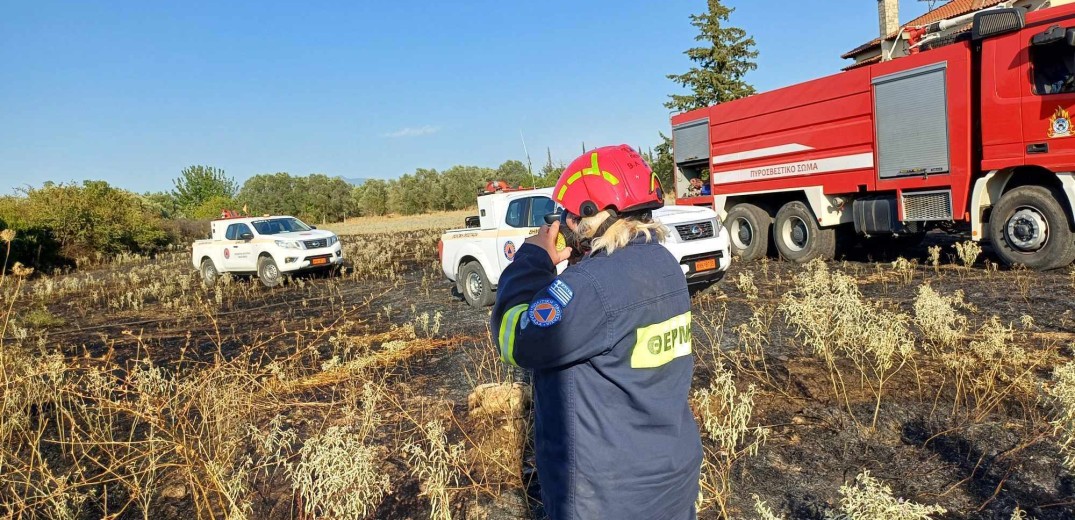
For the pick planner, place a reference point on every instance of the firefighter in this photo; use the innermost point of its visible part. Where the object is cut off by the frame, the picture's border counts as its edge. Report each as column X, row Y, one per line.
column 608, row 343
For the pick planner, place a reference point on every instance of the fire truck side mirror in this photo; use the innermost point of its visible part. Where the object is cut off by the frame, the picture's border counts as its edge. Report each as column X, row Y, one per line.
column 997, row 21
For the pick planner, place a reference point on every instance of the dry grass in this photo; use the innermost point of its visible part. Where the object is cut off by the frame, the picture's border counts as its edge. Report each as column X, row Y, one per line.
column 1062, row 396
column 401, row 223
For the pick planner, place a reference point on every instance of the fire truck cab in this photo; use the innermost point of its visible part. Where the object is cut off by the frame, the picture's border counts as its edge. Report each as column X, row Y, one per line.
column 974, row 133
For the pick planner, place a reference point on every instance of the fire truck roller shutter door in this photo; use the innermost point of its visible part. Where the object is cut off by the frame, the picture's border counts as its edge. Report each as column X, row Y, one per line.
column 911, row 110
column 797, row 236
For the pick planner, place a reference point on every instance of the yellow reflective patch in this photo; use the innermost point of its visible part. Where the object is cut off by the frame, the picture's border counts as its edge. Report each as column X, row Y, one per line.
column 662, row 342
column 507, row 333
column 594, row 169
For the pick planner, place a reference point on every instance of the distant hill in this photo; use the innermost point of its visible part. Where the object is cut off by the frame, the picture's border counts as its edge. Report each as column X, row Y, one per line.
column 356, row 181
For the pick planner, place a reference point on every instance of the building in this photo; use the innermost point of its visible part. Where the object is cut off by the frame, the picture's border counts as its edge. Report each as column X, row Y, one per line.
column 894, row 44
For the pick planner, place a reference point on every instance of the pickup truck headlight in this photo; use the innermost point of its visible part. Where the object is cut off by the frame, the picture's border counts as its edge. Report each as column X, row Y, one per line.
column 289, row 244
column 332, row 241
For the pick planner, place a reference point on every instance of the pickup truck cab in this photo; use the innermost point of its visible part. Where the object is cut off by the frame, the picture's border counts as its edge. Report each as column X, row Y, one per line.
column 270, row 247
column 475, row 256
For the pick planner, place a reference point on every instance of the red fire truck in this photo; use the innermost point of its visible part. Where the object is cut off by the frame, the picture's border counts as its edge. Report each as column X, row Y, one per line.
column 973, row 134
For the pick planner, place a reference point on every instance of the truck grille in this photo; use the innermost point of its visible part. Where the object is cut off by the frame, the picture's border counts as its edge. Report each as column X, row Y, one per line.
column 695, row 230
column 930, row 205
column 314, row 244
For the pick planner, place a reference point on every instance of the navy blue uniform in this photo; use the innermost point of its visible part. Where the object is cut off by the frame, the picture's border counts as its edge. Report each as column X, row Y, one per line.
column 609, row 345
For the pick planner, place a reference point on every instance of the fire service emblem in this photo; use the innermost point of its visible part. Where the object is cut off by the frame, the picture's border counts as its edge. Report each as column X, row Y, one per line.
column 1060, row 123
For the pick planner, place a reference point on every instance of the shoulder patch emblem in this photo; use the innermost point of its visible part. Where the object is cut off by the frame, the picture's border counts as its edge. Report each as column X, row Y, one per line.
column 561, row 292
column 545, row 312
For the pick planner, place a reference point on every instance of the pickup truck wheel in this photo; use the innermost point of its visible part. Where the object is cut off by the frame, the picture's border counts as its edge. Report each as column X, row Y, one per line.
column 748, row 228
column 798, row 237
column 477, row 290
column 1029, row 226
column 209, row 273
column 268, row 272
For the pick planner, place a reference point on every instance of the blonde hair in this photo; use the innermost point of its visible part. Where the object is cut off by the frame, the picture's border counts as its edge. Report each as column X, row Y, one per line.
column 620, row 232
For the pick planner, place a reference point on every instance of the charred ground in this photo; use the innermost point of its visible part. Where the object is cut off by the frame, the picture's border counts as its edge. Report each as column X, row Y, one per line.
column 384, row 350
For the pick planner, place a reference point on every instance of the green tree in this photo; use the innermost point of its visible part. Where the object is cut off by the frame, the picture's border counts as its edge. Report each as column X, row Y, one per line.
column 328, row 199
column 404, row 197
column 163, row 202
column 197, row 184
column 660, row 161
column 514, row 173
column 721, row 64
column 212, row 207
column 371, row 198
column 550, row 172
column 276, row 194
column 461, row 184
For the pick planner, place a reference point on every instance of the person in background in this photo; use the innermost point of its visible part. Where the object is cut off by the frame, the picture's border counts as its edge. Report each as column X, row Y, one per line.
column 608, row 343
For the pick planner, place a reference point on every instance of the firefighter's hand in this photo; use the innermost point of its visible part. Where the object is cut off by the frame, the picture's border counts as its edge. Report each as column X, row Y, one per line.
column 546, row 239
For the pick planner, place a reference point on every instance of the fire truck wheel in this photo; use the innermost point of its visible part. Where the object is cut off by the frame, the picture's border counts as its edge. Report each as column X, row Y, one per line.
column 477, row 290
column 798, row 237
column 1029, row 226
column 748, row 227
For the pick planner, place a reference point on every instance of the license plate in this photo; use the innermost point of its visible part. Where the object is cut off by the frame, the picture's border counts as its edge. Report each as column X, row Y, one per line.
column 705, row 265
column 319, row 261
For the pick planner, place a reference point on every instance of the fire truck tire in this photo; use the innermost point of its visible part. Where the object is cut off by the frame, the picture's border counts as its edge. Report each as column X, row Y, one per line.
column 1029, row 226
column 748, row 227
column 798, row 237
column 477, row 290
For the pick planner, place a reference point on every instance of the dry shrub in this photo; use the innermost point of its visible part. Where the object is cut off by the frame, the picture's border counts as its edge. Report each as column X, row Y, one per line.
column 1019, row 514
column 937, row 318
column 935, row 257
column 968, row 252
column 32, row 482
column 991, row 368
column 763, row 511
column 745, row 283
column 753, row 342
column 1062, row 396
column 337, row 476
column 835, row 322
column 437, row 465
column 192, row 429
column 870, row 499
column 724, row 414
column 904, row 269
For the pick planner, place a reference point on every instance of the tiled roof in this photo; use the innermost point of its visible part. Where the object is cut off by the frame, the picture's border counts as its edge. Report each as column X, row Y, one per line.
column 865, row 62
column 953, row 8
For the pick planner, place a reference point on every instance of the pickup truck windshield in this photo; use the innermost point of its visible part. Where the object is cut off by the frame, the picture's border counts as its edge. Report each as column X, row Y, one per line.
column 274, row 226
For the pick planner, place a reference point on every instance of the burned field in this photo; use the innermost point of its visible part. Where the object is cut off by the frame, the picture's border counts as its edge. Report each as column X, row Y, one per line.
column 132, row 391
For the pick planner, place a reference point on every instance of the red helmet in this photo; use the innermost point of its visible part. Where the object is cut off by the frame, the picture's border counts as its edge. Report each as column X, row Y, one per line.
column 610, row 177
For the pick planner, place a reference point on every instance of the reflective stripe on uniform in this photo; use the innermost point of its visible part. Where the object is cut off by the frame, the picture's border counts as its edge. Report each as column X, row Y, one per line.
column 507, row 332
column 662, row 342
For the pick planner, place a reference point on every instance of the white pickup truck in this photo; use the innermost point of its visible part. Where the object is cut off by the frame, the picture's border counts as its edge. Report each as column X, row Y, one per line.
column 270, row 247
column 475, row 256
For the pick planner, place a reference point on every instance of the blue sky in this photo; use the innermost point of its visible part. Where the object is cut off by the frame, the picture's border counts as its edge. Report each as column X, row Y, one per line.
column 132, row 92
